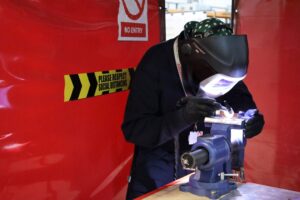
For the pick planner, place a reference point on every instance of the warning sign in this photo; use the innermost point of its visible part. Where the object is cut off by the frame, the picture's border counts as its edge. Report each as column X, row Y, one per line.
column 133, row 20
column 84, row 85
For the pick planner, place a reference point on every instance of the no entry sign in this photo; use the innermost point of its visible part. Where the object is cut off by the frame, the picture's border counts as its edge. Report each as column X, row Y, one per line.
column 133, row 20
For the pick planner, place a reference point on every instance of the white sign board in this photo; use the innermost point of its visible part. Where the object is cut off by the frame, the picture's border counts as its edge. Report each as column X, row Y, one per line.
column 133, row 20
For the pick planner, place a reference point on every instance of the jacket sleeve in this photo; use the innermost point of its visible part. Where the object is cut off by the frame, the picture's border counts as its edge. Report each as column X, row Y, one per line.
column 239, row 98
column 144, row 123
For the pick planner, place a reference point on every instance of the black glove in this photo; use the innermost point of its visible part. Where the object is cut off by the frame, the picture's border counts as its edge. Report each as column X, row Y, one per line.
column 254, row 124
column 196, row 108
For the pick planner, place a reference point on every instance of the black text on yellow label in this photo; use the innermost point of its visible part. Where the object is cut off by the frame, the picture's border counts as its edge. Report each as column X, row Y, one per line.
column 84, row 85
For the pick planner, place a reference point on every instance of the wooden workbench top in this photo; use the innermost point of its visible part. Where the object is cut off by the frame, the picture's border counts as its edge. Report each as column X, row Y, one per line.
column 245, row 191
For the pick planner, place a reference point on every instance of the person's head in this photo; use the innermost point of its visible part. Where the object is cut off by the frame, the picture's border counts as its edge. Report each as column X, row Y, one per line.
column 213, row 58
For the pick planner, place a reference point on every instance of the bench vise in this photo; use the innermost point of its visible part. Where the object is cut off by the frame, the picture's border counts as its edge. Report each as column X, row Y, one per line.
column 216, row 157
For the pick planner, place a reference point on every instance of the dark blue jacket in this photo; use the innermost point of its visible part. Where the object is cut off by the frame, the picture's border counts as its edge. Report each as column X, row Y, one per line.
column 152, row 120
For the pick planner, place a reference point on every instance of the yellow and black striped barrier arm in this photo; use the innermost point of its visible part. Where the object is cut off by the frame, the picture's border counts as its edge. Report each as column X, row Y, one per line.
column 84, row 85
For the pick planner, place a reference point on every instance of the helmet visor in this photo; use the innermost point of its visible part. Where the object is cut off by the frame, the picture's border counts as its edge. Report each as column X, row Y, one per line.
column 218, row 84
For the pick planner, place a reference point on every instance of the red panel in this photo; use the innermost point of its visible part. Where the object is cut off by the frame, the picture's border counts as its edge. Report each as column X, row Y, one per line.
column 273, row 29
column 51, row 149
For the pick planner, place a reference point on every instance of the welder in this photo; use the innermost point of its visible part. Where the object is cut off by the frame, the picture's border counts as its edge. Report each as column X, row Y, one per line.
column 176, row 85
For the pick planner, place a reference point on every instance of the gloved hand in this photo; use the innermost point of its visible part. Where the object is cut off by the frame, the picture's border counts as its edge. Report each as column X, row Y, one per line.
column 196, row 108
column 254, row 124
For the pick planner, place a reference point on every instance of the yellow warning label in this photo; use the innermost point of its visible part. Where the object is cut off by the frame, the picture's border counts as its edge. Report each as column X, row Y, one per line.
column 84, row 85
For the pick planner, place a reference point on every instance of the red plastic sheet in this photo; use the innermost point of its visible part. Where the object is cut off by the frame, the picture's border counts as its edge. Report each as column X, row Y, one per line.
column 273, row 29
column 51, row 149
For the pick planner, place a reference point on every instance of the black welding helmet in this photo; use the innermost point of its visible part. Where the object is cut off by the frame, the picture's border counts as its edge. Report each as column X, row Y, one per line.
column 213, row 60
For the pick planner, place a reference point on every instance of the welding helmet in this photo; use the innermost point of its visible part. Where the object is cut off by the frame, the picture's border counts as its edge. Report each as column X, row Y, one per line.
column 213, row 60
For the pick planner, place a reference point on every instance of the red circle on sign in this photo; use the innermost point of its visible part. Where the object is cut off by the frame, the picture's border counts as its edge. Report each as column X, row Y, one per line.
column 140, row 7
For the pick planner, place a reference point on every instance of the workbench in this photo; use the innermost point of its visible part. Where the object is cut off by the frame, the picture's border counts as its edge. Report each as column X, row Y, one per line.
column 245, row 191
